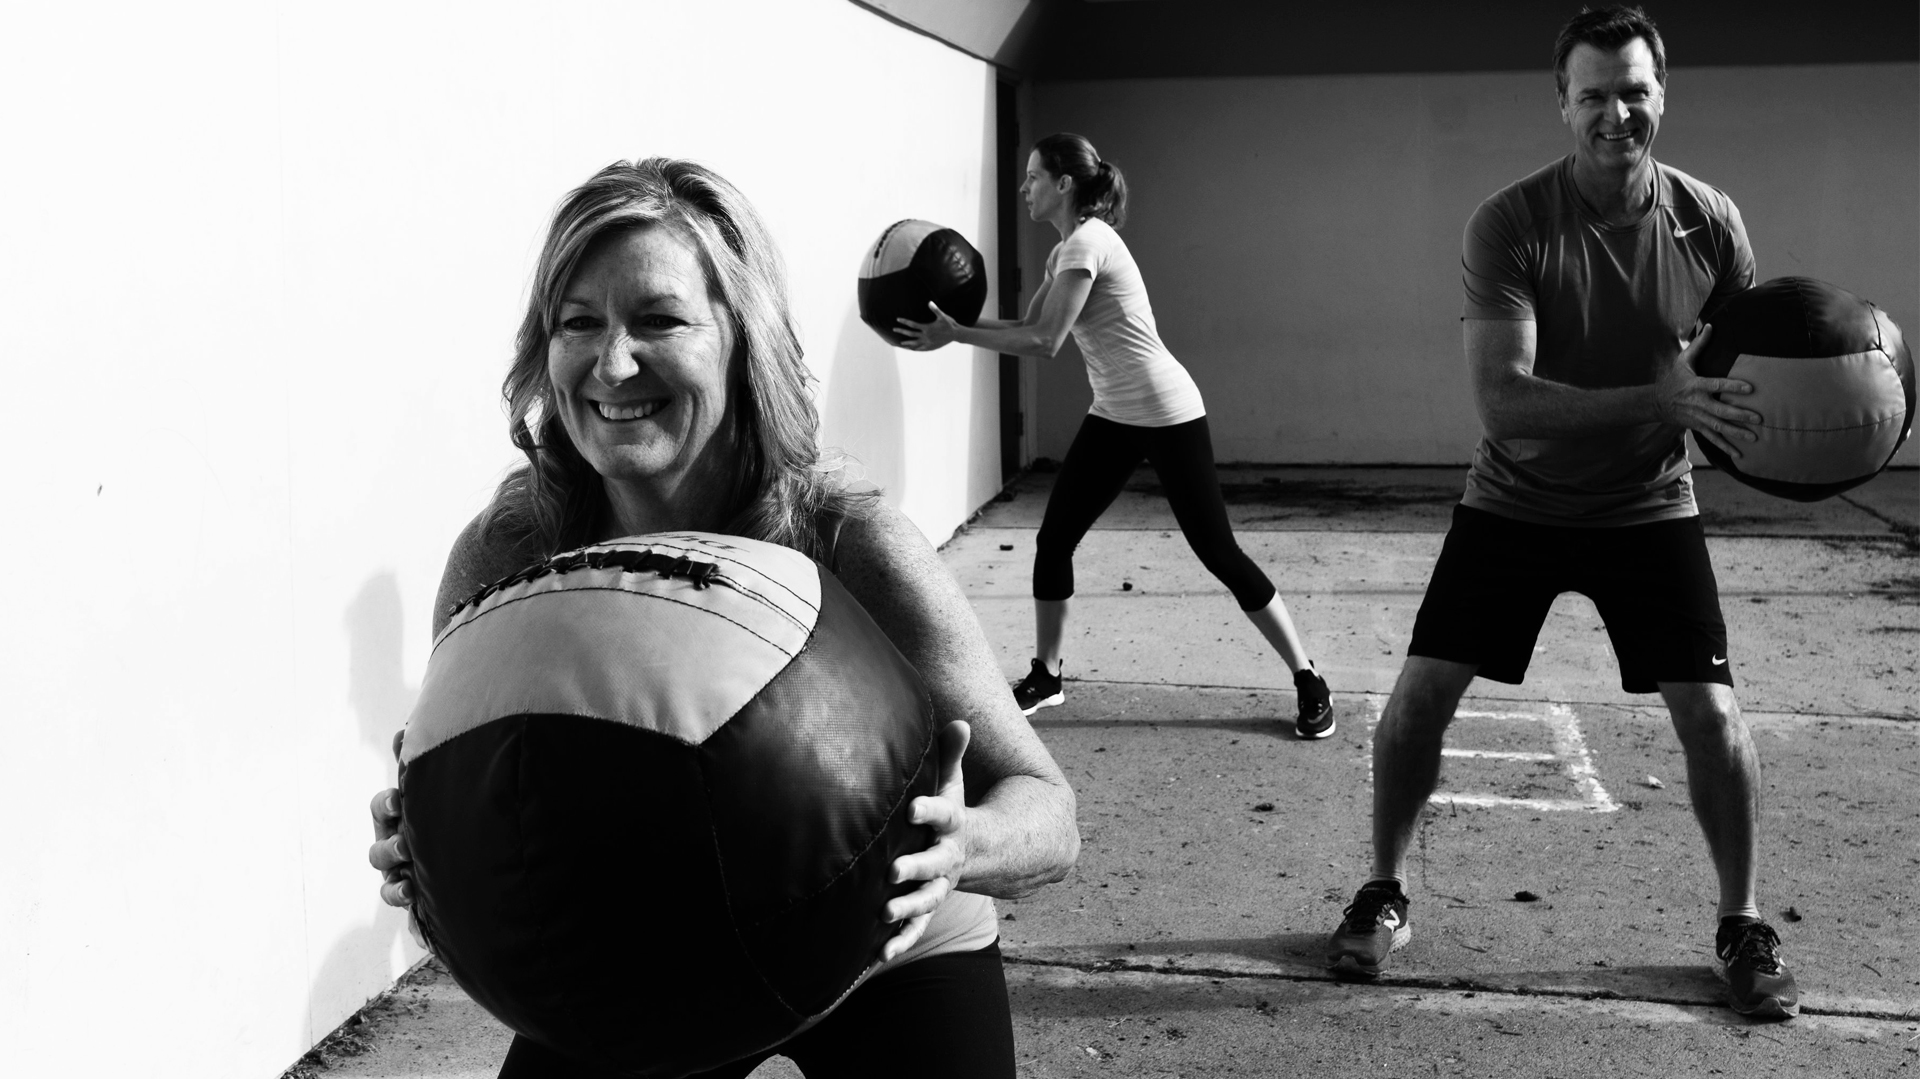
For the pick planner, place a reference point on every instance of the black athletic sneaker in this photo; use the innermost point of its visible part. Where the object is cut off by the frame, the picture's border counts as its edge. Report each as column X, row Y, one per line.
column 1747, row 957
column 1039, row 689
column 1316, row 705
column 1374, row 927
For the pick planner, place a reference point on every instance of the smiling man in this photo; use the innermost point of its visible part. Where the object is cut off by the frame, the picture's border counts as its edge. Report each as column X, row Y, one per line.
column 1584, row 286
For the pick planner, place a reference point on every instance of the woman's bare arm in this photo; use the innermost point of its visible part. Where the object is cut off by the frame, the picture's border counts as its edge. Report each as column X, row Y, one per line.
column 1020, row 832
column 478, row 559
column 1050, row 317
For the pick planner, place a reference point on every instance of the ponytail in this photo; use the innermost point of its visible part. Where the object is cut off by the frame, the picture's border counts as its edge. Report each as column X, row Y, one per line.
column 1105, row 196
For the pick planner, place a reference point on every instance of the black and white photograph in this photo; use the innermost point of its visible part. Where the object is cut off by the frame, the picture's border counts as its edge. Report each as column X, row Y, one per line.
column 961, row 539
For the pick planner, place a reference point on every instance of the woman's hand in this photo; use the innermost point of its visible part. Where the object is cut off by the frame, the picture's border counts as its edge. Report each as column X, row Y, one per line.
column 389, row 854
column 389, row 851
column 927, row 336
column 943, row 864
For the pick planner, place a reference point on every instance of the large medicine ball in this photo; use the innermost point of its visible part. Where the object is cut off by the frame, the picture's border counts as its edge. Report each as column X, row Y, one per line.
column 1832, row 381
column 652, row 791
column 915, row 262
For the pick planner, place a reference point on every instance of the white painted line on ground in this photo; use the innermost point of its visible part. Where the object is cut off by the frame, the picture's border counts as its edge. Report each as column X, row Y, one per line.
column 1569, row 749
column 1499, row 755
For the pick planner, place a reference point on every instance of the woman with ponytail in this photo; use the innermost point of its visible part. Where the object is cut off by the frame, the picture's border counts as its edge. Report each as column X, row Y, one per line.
column 1145, row 407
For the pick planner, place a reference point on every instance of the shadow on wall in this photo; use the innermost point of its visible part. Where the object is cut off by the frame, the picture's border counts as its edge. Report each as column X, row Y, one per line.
column 381, row 699
column 865, row 409
column 376, row 690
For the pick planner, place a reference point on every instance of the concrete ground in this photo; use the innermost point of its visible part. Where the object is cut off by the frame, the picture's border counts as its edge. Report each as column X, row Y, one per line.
column 1219, row 851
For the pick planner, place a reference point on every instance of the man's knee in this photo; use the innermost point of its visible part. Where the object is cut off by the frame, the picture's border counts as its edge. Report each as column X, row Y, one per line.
column 1426, row 694
column 1705, row 714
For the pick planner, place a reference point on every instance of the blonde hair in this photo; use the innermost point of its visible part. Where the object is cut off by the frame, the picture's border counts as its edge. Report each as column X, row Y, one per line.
column 780, row 488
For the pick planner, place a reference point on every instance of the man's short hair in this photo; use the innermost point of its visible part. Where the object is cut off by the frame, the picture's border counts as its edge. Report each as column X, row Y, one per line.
column 1607, row 27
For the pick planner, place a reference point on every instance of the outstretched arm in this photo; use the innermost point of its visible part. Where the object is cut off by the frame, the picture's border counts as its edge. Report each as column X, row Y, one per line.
column 1050, row 316
column 1516, row 403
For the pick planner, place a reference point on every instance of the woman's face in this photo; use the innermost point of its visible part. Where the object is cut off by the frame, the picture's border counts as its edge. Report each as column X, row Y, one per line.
column 1045, row 193
column 641, row 363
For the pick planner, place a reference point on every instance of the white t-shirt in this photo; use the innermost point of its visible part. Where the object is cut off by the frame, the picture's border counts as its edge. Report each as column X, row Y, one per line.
column 1135, row 379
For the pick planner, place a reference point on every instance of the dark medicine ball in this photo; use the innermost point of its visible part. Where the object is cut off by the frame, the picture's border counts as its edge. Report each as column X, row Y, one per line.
column 653, row 789
column 1832, row 381
column 915, row 262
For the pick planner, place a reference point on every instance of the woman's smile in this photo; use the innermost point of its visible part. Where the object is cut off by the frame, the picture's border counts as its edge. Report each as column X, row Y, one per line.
column 640, row 410
column 641, row 362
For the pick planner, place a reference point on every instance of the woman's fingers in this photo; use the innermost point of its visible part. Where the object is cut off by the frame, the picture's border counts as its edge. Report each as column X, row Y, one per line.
column 913, row 334
column 908, row 936
column 942, row 813
column 397, row 892
column 385, row 808
column 940, row 860
column 389, row 853
column 921, row 901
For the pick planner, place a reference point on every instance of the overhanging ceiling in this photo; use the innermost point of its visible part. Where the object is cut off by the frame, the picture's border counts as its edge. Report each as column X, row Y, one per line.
column 1106, row 39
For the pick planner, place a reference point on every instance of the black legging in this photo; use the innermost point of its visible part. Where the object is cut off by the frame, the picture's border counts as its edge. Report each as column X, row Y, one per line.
column 943, row 1017
column 1102, row 457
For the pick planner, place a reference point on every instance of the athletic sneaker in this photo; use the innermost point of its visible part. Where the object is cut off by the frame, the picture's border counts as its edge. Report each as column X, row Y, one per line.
column 1375, row 926
column 1747, row 958
column 1316, row 705
column 1039, row 689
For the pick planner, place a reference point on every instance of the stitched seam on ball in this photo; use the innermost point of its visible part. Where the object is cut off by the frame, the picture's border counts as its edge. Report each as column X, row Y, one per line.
column 732, row 583
column 873, row 260
column 726, row 893
column 451, row 630
column 545, row 570
column 1881, row 422
column 717, row 557
column 797, row 597
column 765, row 601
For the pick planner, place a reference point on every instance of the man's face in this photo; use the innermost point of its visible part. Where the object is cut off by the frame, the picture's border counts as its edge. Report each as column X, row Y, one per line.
column 1612, row 103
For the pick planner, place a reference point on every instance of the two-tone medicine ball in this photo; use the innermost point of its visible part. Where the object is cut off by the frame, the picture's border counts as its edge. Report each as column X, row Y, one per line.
column 915, row 262
column 1832, row 381
column 653, row 790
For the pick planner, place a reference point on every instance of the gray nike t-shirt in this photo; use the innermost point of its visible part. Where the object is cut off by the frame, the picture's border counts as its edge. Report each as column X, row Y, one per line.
column 1609, row 302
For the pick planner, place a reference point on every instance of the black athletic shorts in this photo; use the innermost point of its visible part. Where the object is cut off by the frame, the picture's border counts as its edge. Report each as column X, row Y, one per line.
column 1653, row 584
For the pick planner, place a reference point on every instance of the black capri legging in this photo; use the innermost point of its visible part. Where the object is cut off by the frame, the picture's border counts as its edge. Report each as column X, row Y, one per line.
column 942, row 1017
column 1102, row 457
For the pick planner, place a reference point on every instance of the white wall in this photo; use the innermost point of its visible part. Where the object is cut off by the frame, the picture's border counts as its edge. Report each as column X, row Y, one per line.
column 1301, row 236
column 261, row 272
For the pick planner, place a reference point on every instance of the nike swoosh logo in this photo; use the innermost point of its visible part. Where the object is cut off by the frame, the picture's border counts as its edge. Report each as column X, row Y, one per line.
column 1390, row 920
column 1681, row 234
column 1719, row 661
